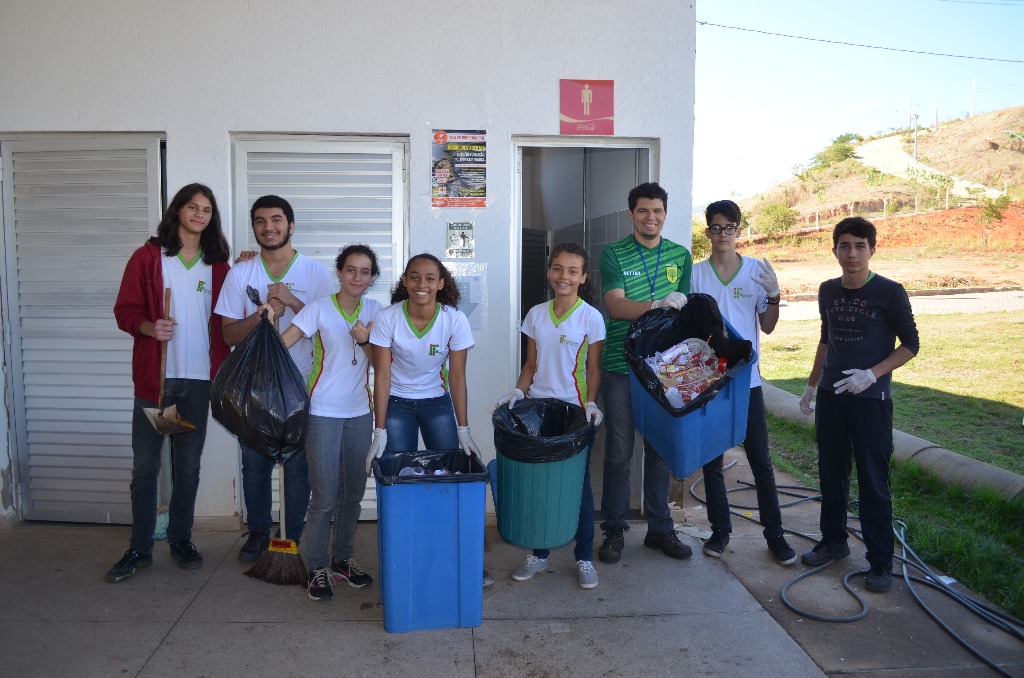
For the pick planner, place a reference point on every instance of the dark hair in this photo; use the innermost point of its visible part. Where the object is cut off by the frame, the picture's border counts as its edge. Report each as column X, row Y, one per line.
column 726, row 208
column 585, row 291
column 651, row 191
column 339, row 263
column 447, row 295
column 858, row 227
column 212, row 241
column 270, row 201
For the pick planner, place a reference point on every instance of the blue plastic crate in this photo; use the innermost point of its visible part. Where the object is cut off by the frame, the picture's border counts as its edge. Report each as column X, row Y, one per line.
column 688, row 442
column 430, row 534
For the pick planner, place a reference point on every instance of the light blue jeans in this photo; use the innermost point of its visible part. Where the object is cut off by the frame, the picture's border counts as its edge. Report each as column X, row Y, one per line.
column 336, row 455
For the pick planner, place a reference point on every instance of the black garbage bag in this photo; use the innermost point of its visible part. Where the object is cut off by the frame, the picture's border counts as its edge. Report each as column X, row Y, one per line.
column 259, row 395
column 460, row 467
column 540, row 430
column 663, row 328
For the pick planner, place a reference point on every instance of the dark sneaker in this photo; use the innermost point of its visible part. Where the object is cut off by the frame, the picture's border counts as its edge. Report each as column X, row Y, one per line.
column 130, row 562
column 185, row 554
column 879, row 579
column 488, row 579
column 784, row 553
column 320, row 585
column 715, row 546
column 611, row 548
column 348, row 571
column 823, row 552
column 669, row 544
column 254, row 547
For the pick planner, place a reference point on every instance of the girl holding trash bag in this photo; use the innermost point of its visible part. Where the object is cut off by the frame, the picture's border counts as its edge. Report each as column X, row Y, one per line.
column 563, row 360
column 340, row 419
column 420, row 344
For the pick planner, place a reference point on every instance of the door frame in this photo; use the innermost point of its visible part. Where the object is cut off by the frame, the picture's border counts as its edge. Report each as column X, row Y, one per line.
column 519, row 142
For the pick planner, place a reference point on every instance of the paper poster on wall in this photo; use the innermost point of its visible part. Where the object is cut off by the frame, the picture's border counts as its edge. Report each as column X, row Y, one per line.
column 586, row 107
column 458, row 168
column 471, row 279
column 460, row 244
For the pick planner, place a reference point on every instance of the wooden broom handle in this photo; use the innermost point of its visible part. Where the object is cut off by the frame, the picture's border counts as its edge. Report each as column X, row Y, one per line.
column 280, row 499
column 163, row 352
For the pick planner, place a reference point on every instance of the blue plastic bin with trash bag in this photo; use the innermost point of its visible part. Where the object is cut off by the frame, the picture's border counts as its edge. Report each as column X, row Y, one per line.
column 430, row 535
column 688, row 437
column 537, row 477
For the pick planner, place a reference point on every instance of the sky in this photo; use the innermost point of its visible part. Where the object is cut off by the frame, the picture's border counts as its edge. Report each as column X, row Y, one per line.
column 766, row 103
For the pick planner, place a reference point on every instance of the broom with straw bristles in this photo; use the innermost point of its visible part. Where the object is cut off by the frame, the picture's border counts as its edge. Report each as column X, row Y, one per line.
column 281, row 562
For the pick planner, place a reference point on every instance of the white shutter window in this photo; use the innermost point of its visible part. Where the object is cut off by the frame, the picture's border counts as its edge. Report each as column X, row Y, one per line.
column 74, row 211
column 343, row 191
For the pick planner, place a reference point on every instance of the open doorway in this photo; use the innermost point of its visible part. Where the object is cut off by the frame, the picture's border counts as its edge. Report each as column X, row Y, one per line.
column 574, row 190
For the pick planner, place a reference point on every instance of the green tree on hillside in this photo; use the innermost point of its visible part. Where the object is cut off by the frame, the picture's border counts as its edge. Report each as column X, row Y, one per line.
column 775, row 218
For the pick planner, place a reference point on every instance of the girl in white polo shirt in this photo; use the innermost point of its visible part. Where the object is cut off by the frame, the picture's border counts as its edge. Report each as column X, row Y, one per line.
column 420, row 344
column 340, row 419
column 563, row 360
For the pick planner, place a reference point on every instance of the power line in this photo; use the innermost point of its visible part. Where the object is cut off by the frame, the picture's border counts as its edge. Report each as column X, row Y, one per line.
column 854, row 44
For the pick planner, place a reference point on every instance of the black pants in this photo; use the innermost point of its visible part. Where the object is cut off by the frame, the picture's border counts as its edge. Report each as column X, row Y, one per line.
column 852, row 428
column 756, row 447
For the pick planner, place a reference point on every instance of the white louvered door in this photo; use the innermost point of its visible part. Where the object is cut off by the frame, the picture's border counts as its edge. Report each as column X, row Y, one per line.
column 343, row 191
column 74, row 211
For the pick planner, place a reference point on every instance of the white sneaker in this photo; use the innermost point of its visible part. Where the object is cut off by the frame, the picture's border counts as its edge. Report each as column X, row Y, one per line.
column 587, row 575
column 532, row 566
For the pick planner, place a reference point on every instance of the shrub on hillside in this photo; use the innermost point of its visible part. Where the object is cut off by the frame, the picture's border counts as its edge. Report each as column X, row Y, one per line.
column 775, row 218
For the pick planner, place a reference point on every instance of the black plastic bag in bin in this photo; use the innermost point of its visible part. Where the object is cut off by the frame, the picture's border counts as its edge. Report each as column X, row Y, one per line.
column 538, row 430
column 259, row 395
column 663, row 328
column 456, row 467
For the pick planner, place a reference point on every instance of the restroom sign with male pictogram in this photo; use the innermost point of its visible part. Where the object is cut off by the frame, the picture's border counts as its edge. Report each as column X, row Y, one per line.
column 587, row 107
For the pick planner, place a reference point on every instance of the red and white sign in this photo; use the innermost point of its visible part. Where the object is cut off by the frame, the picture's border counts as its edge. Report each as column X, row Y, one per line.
column 587, row 107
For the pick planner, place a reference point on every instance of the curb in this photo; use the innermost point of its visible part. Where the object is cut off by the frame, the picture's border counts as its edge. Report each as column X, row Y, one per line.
column 925, row 293
column 950, row 467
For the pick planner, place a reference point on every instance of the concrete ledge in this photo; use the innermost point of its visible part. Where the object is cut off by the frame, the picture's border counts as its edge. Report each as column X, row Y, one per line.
column 935, row 292
column 950, row 467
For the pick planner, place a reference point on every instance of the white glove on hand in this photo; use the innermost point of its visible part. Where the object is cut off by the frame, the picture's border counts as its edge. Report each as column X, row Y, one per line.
column 377, row 445
column 466, row 441
column 674, row 300
column 594, row 415
column 511, row 398
column 767, row 279
column 856, row 382
column 805, row 400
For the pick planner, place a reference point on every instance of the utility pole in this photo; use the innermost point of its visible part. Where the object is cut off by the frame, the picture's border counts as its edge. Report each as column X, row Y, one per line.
column 915, row 136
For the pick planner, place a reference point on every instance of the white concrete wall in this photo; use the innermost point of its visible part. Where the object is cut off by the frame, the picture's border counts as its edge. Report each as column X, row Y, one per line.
column 200, row 71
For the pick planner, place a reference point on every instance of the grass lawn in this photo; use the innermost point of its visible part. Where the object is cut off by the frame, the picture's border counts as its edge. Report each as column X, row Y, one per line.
column 963, row 392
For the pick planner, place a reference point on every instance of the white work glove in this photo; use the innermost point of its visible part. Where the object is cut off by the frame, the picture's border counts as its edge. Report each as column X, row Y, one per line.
column 377, row 445
column 767, row 279
column 856, row 382
column 805, row 400
column 671, row 300
column 594, row 415
column 511, row 398
column 466, row 441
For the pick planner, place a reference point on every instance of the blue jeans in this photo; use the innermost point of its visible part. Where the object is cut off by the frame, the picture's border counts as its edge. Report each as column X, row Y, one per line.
column 585, row 529
column 336, row 454
column 756, row 447
column 618, row 452
column 259, row 498
column 192, row 398
column 850, row 428
column 434, row 418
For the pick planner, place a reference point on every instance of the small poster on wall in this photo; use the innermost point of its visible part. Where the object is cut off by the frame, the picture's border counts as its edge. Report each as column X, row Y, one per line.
column 587, row 107
column 460, row 240
column 458, row 171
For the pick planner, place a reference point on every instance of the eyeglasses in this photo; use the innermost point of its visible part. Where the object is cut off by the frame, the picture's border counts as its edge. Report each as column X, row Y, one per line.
column 729, row 230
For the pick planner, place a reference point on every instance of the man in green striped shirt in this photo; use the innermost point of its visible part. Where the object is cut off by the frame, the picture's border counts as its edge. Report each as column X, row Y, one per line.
column 640, row 272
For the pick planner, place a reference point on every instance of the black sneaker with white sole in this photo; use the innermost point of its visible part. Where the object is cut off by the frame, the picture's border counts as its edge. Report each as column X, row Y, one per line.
column 784, row 553
column 347, row 571
column 319, row 587
column 130, row 563
column 715, row 545
column 185, row 554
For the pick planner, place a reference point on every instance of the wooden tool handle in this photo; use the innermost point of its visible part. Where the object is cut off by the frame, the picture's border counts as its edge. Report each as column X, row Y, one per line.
column 280, row 498
column 163, row 351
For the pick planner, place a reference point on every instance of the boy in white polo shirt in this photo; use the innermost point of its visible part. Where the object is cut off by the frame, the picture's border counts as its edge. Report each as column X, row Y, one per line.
column 287, row 280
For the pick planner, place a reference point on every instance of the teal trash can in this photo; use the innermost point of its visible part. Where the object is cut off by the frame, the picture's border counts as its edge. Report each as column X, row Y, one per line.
column 542, row 446
column 430, row 534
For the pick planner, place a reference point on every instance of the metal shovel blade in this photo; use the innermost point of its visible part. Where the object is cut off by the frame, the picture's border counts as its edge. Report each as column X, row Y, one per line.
column 168, row 422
